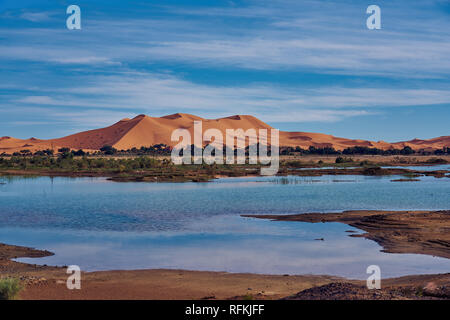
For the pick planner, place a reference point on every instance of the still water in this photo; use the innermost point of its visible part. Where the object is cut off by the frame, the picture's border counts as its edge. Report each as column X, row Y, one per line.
column 103, row 225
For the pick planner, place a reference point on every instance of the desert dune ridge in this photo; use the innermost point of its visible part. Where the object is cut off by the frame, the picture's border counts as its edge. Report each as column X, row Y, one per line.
column 144, row 130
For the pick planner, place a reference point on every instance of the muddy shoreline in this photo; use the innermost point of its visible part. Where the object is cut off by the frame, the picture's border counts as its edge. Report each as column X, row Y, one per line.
column 420, row 232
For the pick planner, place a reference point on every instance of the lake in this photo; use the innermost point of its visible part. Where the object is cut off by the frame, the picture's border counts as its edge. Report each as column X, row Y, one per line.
column 103, row 225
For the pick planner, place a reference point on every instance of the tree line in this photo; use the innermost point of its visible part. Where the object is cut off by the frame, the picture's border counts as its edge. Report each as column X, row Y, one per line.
column 162, row 149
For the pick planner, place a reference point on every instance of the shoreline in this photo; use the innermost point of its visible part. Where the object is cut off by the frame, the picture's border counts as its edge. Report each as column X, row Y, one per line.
column 416, row 232
column 163, row 171
column 202, row 175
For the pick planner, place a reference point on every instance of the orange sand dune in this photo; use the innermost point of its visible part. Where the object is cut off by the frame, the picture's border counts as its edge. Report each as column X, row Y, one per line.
column 143, row 130
column 436, row 143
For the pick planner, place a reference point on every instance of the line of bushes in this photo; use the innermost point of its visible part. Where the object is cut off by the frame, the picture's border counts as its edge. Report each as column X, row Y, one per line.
column 81, row 164
column 360, row 151
column 164, row 150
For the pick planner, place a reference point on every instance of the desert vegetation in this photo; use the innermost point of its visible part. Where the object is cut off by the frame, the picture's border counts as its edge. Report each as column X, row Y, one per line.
column 9, row 288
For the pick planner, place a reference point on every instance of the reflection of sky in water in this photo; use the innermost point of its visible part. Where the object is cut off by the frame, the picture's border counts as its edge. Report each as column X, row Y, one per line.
column 240, row 245
column 100, row 225
column 98, row 204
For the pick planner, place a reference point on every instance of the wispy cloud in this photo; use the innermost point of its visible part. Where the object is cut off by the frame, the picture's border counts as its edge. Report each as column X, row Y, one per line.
column 154, row 61
column 36, row 16
column 38, row 100
column 155, row 93
column 316, row 38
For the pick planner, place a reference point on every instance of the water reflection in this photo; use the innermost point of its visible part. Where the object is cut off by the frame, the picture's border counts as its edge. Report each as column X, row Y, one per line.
column 101, row 225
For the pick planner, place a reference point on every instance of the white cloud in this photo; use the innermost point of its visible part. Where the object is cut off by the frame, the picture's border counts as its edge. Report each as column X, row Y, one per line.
column 36, row 16
column 317, row 115
column 38, row 100
column 286, row 36
column 275, row 36
column 154, row 94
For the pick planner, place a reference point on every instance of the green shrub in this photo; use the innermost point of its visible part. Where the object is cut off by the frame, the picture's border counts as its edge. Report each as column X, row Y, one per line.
column 343, row 160
column 9, row 288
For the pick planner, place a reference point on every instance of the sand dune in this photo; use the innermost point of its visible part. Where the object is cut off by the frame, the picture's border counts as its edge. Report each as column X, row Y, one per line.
column 435, row 143
column 143, row 130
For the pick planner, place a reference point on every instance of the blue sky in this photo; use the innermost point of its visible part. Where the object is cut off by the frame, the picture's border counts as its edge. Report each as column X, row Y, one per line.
column 297, row 65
